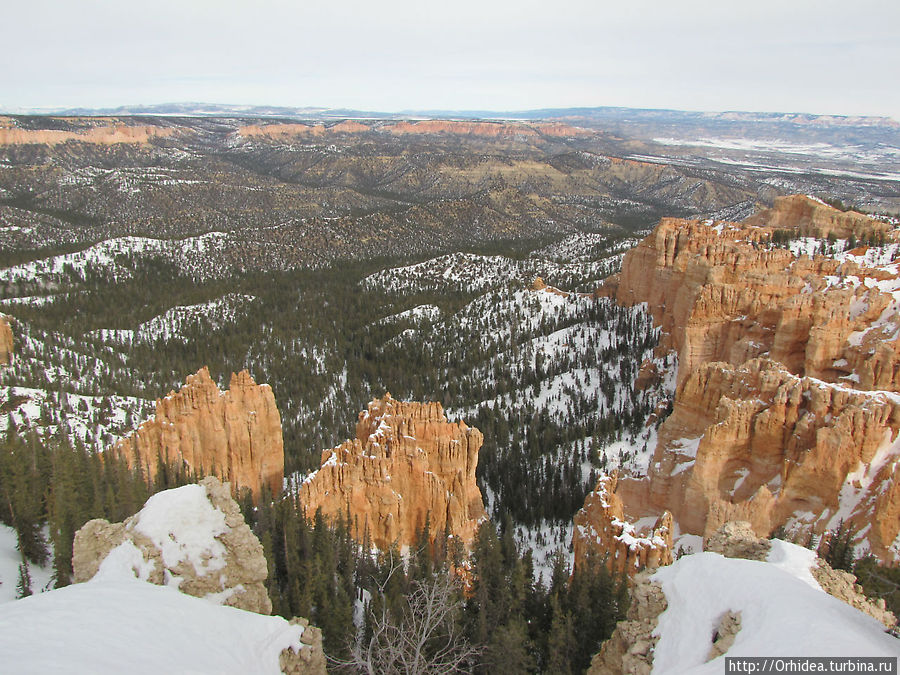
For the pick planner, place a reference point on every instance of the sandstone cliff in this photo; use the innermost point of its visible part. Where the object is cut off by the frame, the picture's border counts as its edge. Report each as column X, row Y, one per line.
column 101, row 135
column 407, row 463
column 235, row 434
column 456, row 127
column 6, row 341
column 786, row 410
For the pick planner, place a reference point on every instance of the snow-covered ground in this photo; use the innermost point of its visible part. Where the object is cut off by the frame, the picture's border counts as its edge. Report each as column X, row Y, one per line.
column 117, row 625
column 478, row 273
column 112, row 256
column 547, row 541
column 96, row 421
column 172, row 323
column 10, row 559
column 783, row 612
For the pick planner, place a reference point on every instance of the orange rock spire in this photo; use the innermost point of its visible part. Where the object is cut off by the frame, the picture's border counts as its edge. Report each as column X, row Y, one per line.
column 235, row 434
column 406, row 463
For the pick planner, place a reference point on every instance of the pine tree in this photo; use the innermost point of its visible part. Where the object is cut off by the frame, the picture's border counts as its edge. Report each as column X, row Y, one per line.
column 23, row 587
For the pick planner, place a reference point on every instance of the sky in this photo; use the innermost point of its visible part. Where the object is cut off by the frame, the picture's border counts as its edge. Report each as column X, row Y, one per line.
column 821, row 56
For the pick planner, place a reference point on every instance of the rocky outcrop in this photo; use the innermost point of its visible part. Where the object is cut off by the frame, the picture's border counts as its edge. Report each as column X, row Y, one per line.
column 635, row 642
column 842, row 585
column 235, row 434
column 193, row 538
column 602, row 531
column 6, row 342
column 813, row 218
column 786, row 411
column 100, row 135
column 309, row 659
column 736, row 539
column 407, row 464
column 630, row 648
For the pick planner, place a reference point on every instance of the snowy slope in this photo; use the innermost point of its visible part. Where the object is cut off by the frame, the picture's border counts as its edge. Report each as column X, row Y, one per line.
column 10, row 559
column 126, row 625
column 783, row 612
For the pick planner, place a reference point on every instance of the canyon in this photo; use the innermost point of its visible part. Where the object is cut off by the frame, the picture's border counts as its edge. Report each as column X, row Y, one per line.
column 234, row 434
column 786, row 408
column 407, row 466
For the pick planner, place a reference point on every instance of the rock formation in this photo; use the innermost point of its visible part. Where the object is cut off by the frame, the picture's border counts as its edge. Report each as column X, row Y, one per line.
column 786, row 410
column 6, row 342
column 234, row 434
column 457, row 127
column 812, row 218
column 101, row 135
column 192, row 538
column 630, row 649
column 601, row 530
column 487, row 129
column 406, row 464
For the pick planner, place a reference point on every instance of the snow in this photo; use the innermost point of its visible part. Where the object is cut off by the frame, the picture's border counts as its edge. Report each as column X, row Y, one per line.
column 795, row 560
column 173, row 322
column 183, row 524
column 125, row 560
column 422, row 313
column 10, row 559
column 96, row 421
column 113, row 626
column 781, row 614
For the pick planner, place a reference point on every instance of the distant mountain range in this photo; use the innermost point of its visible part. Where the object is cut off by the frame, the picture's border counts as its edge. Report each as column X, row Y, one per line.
column 603, row 114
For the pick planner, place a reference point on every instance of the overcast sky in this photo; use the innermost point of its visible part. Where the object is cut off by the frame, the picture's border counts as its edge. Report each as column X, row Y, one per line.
column 762, row 55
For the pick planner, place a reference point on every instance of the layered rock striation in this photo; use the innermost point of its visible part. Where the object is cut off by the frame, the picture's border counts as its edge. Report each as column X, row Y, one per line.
column 407, row 465
column 234, row 434
column 787, row 406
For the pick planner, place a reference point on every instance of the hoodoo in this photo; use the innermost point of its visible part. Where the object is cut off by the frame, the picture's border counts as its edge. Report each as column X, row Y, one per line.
column 407, row 466
column 234, row 434
column 786, row 411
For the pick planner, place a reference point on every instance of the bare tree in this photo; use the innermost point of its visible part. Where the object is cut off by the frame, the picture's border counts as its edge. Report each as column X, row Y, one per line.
column 424, row 639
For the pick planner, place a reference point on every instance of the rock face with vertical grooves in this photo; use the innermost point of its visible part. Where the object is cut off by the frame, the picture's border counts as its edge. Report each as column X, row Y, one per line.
column 406, row 464
column 787, row 406
column 234, row 434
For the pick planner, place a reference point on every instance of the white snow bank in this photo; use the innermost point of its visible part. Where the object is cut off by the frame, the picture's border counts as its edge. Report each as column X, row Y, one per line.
column 111, row 627
column 781, row 615
column 795, row 560
column 184, row 525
